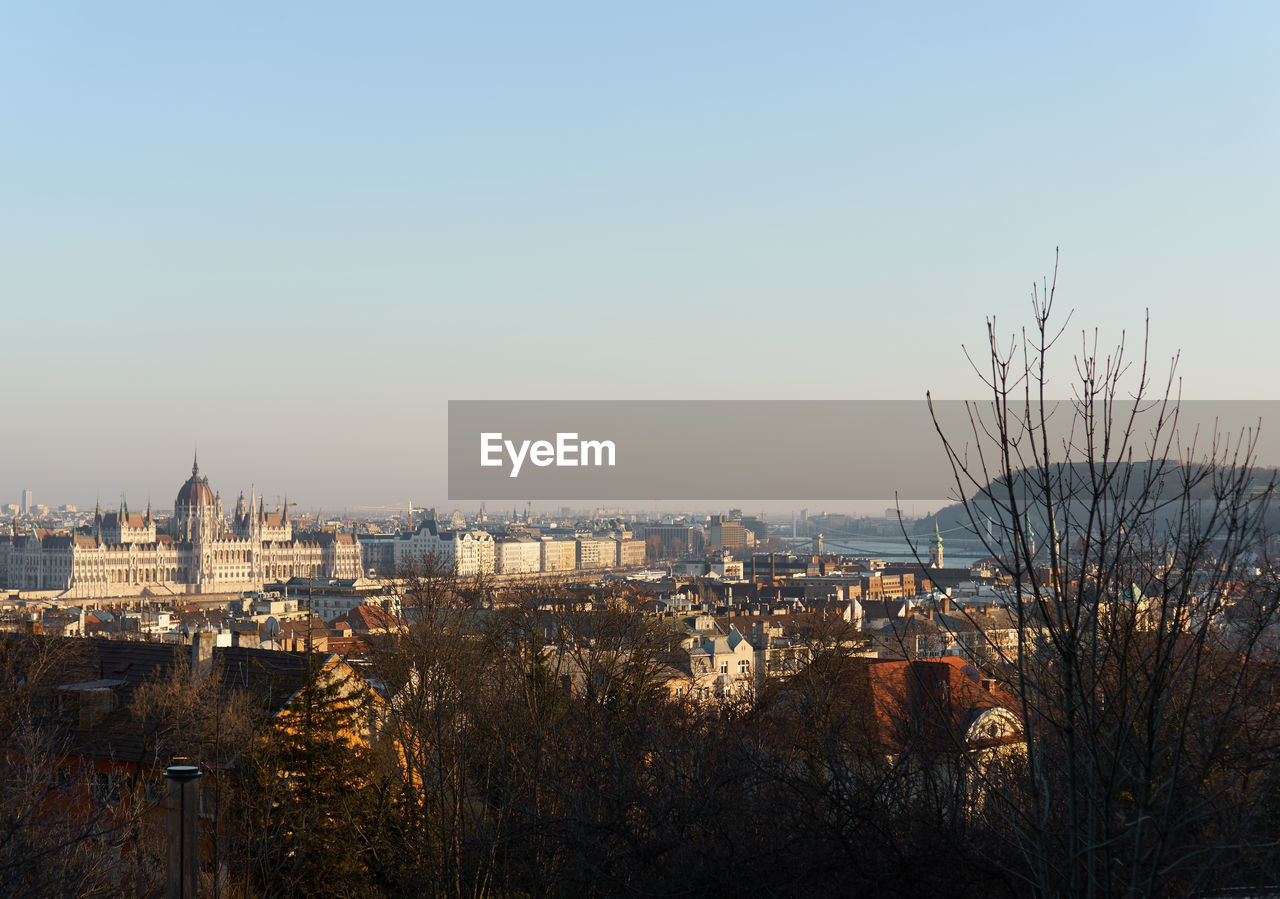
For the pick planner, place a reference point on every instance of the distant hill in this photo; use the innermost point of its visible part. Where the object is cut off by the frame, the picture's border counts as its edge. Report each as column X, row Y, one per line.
column 954, row 519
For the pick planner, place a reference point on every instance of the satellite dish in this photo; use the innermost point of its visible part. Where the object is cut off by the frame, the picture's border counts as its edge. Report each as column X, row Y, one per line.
column 273, row 627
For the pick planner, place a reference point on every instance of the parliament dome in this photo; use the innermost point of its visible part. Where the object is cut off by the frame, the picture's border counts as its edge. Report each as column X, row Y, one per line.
column 195, row 492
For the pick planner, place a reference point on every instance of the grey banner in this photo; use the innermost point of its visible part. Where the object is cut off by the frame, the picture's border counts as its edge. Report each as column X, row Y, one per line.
column 777, row 450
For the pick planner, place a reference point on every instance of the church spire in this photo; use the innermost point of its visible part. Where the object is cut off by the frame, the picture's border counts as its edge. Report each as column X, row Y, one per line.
column 195, row 463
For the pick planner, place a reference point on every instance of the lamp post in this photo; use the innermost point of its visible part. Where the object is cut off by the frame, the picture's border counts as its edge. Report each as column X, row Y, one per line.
column 183, row 803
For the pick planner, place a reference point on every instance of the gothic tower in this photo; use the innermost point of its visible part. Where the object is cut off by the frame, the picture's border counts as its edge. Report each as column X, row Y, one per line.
column 195, row 522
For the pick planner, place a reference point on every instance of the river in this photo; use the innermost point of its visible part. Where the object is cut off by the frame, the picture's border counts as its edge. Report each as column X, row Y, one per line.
column 898, row 550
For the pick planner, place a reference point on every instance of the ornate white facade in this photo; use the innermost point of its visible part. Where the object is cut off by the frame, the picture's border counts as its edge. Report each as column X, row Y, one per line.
column 124, row 555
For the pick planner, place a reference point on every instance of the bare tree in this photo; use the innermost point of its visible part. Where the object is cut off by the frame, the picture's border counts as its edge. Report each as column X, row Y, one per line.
column 1127, row 540
column 65, row 827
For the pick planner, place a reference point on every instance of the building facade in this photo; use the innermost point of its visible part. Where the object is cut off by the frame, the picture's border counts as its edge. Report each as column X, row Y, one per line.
column 126, row 554
column 558, row 555
column 596, row 552
column 726, row 534
column 471, row 552
column 518, row 555
column 631, row 552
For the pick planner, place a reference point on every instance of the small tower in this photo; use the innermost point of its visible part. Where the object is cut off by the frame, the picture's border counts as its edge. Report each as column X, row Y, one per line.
column 935, row 548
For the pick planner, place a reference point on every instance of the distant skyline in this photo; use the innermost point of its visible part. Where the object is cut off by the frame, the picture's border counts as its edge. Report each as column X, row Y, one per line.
column 776, row 511
column 289, row 234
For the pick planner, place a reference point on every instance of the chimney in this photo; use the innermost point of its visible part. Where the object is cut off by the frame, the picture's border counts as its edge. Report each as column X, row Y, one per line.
column 95, row 705
column 202, row 643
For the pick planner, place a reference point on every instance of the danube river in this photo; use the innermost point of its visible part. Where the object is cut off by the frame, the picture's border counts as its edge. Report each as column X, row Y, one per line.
column 955, row 554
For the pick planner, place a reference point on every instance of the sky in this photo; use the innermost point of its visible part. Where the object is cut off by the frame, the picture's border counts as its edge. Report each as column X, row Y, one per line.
column 288, row 233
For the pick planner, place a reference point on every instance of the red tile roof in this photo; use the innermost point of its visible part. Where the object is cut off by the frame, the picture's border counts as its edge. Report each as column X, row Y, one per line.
column 369, row 618
column 937, row 700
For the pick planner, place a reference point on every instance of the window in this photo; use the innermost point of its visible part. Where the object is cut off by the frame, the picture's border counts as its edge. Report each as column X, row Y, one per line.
column 106, row 788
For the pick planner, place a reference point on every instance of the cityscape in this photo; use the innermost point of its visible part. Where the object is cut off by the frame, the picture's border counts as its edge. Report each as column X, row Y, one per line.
column 661, row 450
column 194, row 549
column 706, row 615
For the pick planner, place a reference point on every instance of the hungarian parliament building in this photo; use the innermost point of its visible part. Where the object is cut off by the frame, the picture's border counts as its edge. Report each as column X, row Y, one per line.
column 126, row 554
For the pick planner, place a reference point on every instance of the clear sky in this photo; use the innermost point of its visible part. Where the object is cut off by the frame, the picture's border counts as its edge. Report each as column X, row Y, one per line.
column 290, row 232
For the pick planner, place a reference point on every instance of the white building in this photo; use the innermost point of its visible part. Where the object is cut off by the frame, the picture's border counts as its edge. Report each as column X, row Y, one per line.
column 517, row 555
column 721, row 665
column 125, row 554
column 472, row 551
column 597, row 552
column 559, row 555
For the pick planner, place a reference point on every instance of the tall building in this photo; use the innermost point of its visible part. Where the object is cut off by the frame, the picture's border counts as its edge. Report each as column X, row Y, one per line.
column 725, row 534
column 25, row 505
column 125, row 554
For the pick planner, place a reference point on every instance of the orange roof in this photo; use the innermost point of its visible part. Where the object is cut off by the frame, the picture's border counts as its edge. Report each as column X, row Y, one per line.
column 369, row 618
column 937, row 699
